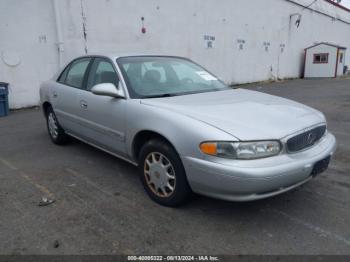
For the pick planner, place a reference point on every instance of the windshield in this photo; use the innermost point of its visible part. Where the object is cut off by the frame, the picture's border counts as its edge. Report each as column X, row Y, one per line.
column 148, row 77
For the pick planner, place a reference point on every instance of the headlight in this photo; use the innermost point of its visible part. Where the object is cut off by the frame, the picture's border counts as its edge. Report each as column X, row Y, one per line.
column 241, row 150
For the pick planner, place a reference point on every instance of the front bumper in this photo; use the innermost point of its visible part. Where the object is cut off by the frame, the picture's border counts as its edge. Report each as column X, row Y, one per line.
column 246, row 180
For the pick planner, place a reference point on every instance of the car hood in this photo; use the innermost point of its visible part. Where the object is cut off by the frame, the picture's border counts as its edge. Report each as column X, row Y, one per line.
column 245, row 114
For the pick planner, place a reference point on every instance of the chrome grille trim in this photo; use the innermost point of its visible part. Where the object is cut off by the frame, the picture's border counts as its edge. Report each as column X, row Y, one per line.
column 305, row 139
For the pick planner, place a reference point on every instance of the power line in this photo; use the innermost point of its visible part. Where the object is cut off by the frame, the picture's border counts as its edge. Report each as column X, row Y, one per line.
column 310, row 4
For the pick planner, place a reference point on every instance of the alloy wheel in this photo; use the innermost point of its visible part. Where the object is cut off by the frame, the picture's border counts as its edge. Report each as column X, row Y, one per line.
column 53, row 127
column 159, row 174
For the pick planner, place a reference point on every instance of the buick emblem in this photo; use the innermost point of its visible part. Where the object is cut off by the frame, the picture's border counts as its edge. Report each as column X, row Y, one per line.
column 311, row 138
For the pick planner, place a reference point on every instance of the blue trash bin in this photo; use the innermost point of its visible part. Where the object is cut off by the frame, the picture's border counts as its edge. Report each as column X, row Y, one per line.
column 4, row 102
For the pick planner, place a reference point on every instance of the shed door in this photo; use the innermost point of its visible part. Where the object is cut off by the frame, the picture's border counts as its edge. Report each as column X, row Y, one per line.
column 341, row 62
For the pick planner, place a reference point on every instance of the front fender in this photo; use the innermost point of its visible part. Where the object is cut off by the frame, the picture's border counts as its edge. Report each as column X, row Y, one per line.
column 183, row 132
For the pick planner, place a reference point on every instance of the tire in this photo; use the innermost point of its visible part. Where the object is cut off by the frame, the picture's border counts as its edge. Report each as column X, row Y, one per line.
column 56, row 132
column 161, row 169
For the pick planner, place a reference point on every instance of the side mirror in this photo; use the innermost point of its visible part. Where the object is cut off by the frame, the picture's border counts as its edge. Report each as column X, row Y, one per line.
column 107, row 89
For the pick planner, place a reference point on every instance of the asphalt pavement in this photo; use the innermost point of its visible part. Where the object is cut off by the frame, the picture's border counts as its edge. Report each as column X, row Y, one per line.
column 100, row 206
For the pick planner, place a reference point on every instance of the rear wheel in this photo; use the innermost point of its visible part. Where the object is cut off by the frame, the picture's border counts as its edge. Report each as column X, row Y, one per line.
column 162, row 174
column 56, row 132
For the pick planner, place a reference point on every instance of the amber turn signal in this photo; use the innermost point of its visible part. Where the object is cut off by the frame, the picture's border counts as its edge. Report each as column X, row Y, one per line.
column 209, row 148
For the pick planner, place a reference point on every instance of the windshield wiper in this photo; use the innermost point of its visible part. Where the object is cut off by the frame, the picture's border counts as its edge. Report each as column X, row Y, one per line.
column 159, row 96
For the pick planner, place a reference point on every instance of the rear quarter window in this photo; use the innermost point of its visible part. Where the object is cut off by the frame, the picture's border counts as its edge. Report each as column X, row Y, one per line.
column 62, row 78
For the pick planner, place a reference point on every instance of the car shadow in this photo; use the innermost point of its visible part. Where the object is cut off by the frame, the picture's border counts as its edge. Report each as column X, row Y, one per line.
column 197, row 202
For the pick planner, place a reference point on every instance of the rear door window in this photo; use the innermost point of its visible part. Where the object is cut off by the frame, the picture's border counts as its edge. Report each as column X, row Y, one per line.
column 76, row 73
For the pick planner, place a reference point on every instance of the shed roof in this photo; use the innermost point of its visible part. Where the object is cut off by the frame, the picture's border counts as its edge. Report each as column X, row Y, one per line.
column 338, row 5
column 325, row 43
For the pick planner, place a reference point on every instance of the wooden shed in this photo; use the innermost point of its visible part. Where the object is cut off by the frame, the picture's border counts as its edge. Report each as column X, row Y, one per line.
column 324, row 60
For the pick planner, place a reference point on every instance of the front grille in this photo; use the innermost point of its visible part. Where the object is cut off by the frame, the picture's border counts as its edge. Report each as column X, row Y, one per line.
column 306, row 139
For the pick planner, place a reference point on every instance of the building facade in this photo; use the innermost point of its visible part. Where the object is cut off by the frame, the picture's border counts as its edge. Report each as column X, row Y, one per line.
column 239, row 41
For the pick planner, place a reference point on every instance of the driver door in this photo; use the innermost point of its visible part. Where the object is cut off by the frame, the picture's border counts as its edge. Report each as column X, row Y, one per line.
column 102, row 117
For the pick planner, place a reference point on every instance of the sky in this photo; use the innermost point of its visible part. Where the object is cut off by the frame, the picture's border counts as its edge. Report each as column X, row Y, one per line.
column 346, row 3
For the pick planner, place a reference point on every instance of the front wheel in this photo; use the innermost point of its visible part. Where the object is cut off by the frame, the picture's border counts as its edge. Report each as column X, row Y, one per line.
column 163, row 175
column 56, row 132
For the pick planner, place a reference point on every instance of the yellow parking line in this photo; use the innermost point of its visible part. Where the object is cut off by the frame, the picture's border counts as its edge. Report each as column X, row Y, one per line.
column 42, row 188
column 25, row 176
column 8, row 164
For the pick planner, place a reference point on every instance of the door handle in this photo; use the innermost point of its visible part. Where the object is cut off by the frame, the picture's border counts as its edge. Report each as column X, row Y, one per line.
column 54, row 94
column 83, row 104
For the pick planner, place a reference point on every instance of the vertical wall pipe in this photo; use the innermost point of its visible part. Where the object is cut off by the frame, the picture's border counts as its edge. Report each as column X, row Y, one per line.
column 60, row 43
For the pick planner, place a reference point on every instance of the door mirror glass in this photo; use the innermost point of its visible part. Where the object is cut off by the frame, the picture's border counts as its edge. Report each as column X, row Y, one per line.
column 107, row 89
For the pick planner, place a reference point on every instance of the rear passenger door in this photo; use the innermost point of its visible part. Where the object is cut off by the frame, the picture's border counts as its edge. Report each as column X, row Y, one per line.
column 64, row 94
column 102, row 117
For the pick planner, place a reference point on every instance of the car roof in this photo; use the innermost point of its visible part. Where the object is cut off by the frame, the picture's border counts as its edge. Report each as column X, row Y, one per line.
column 114, row 56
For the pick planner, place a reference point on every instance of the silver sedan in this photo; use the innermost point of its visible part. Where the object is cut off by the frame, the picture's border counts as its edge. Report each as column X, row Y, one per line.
column 185, row 129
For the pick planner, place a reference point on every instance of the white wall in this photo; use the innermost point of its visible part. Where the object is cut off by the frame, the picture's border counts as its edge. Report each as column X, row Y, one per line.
column 322, row 69
column 27, row 48
column 28, row 32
